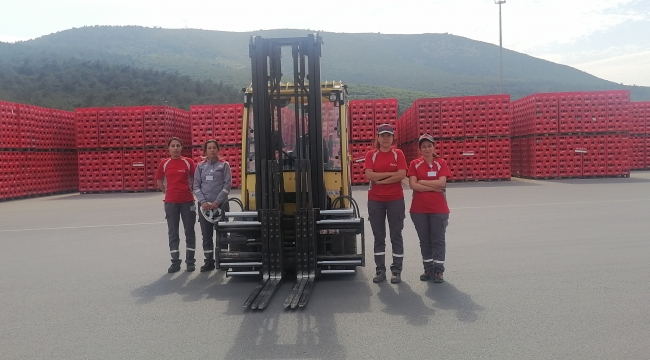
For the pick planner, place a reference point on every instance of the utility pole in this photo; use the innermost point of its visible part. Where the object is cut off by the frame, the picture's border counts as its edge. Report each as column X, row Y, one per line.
column 499, row 2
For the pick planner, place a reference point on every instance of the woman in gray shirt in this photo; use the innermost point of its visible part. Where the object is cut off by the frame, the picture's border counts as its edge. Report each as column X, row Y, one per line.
column 212, row 183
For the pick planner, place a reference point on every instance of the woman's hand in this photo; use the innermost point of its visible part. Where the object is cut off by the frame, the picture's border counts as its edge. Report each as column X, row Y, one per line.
column 206, row 206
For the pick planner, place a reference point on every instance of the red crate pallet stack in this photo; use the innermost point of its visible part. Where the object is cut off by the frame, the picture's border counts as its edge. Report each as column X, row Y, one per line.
column 363, row 118
column 472, row 133
column 452, row 119
column 202, row 123
column 590, row 131
column 119, row 148
column 639, row 118
column 222, row 122
column 9, row 126
column 134, row 170
column 358, row 152
column 36, row 151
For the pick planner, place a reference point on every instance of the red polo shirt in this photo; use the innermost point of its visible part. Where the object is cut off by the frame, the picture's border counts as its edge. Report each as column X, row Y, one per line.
column 178, row 174
column 389, row 161
column 429, row 202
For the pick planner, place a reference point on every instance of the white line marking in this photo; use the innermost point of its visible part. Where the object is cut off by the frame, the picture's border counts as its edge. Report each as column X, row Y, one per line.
column 547, row 204
column 84, row 227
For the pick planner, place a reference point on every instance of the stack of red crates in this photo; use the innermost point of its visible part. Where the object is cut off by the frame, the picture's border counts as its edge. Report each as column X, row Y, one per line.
column 363, row 118
column 36, row 151
column 640, row 122
column 222, row 122
column 119, row 148
column 572, row 135
column 472, row 134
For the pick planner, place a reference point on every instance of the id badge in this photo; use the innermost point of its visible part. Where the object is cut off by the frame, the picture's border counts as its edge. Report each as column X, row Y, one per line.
column 209, row 177
column 432, row 173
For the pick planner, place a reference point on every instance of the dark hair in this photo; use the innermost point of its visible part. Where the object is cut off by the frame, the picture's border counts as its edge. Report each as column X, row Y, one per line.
column 172, row 139
column 205, row 146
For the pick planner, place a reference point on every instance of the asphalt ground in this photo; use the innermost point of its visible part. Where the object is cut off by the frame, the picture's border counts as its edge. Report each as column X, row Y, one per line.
column 535, row 270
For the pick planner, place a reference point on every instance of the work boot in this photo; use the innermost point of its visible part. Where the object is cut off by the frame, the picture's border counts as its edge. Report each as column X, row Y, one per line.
column 381, row 276
column 437, row 278
column 426, row 276
column 174, row 267
column 396, row 278
column 209, row 266
column 191, row 267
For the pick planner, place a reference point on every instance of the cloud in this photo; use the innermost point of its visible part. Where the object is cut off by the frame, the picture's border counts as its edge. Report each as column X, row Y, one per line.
column 629, row 69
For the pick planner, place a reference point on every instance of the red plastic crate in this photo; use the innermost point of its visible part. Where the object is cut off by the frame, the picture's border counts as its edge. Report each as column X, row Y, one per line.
column 87, row 132
column 535, row 114
column 570, row 152
column 452, row 152
column 594, row 160
column 499, row 153
column 134, row 169
column 618, row 154
column 132, row 126
column 452, row 123
column 361, row 120
column 89, row 171
column 9, row 128
column 385, row 111
column 109, row 127
column 202, row 123
column 637, row 152
column 228, row 123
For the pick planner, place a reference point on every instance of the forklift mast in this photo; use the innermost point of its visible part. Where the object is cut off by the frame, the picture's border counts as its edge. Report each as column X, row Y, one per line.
column 292, row 222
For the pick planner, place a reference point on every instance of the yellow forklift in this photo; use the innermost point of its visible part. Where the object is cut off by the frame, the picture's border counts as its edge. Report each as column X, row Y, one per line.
column 297, row 215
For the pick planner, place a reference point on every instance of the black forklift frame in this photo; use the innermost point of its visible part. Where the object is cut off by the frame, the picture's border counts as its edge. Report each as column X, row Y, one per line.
column 266, row 65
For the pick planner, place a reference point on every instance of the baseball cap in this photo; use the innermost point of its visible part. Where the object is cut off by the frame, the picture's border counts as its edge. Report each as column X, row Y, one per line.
column 385, row 128
column 426, row 137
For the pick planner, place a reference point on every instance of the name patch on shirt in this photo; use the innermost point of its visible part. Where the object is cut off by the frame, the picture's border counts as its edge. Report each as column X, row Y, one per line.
column 209, row 177
column 432, row 173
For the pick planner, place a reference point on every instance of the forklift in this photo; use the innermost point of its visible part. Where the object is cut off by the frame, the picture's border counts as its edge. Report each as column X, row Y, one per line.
column 298, row 218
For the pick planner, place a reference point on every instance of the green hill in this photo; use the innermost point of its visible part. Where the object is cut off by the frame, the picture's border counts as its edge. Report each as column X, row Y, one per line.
column 402, row 66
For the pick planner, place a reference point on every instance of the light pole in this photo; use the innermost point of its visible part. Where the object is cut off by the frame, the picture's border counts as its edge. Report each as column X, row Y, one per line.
column 499, row 2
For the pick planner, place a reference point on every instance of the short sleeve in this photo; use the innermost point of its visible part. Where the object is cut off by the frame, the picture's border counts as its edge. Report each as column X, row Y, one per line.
column 401, row 160
column 444, row 169
column 368, row 164
column 412, row 170
column 160, row 174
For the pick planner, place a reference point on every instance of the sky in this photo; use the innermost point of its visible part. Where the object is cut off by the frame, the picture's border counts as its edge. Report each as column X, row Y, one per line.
column 607, row 38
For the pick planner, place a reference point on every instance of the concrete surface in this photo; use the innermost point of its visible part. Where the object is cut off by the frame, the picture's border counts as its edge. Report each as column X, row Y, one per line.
column 535, row 270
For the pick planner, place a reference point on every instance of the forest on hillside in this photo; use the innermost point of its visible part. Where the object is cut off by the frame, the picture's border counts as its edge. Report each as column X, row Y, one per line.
column 75, row 83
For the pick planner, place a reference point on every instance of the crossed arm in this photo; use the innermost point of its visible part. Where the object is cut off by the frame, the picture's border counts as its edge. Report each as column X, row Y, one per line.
column 385, row 178
column 427, row 185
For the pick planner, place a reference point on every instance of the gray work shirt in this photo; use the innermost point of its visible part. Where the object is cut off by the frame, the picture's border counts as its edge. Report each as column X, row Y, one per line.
column 212, row 181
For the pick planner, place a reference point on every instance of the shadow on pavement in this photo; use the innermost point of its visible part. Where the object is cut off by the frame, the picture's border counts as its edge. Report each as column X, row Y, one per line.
column 448, row 297
column 402, row 301
column 193, row 289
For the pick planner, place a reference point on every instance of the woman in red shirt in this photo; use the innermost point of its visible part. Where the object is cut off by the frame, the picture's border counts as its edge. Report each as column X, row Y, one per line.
column 385, row 168
column 429, row 209
column 175, row 177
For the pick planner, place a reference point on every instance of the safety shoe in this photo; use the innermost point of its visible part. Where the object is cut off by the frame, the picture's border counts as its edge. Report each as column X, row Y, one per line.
column 191, row 267
column 174, row 268
column 426, row 276
column 207, row 267
column 396, row 278
column 381, row 276
column 437, row 278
